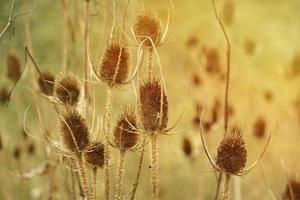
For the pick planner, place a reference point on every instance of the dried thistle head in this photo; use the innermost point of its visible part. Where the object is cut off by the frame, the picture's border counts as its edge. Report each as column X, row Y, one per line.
column 74, row 131
column 3, row 95
column 231, row 153
column 187, row 147
column 292, row 190
column 114, row 65
column 46, row 83
column 147, row 25
column 13, row 68
column 125, row 135
column 67, row 90
column 153, row 106
column 259, row 128
column 95, row 155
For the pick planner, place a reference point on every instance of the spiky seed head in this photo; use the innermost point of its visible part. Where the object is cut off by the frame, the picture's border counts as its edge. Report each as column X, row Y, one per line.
column 125, row 135
column 13, row 68
column 292, row 190
column 114, row 65
column 46, row 83
column 3, row 95
column 259, row 128
column 95, row 155
column 74, row 131
column 147, row 25
column 231, row 153
column 187, row 147
column 152, row 95
column 67, row 90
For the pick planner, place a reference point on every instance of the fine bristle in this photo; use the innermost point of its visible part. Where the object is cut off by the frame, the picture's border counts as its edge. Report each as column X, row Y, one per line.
column 292, row 190
column 231, row 153
column 74, row 131
column 152, row 117
column 95, row 155
column 114, row 65
column 13, row 68
column 3, row 95
column 46, row 83
column 187, row 147
column 149, row 26
column 67, row 90
column 125, row 136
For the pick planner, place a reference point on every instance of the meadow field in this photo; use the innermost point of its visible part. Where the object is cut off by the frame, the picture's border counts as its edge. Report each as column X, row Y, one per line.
column 149, row 99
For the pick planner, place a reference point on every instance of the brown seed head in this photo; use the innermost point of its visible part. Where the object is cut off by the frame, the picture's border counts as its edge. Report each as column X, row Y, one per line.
column 46, row 83
column 187, row 147
column 95, row 155
column 13, row 68
column 114, row 65
column 3, row 95
column 152, row 116
column 259, row 128
column 125, row 135
column 292, row 190
column 74, row 131
column 147, row 25
column 231, row 153
column 67, row 90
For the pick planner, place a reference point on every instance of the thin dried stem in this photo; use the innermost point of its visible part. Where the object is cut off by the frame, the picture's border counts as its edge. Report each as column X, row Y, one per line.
column 225, row 191
column 10, row 18
column 218, row 185
column 82, row 175
column 86, row 48
column 95, row 182
column 120, row 174
column 154, row 168
column 150, row 63
column 109, row 99
column 138, row 173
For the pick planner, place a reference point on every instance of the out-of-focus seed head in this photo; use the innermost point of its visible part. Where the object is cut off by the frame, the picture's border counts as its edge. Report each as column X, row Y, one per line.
column 154, row 117
column 231, row 153
column 31, row 149
column 114, row 65
column 215, row 111
column 17, row 153
column 74, row 131
column 95, row 155
column 192, row 42
column 187, row 147
column 196, row 80
column 125, row 135
column 147, row 25
column 13, row 68
column 3, row 95
column 259, row 128
column 67, row 90
column 46, row 83
column 292, row 190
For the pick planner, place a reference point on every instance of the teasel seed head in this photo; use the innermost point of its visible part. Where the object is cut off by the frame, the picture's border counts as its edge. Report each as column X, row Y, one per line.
column 147, row 25
column 46, row 83
column 95, row 155
column 13, row 68
column 74, row 131
column 231, row 153
column 3, row 95
column 125, row 135
column 67, row 90
column 187, row 147
column 114, row 65
column 292, row 190
column 152, row 117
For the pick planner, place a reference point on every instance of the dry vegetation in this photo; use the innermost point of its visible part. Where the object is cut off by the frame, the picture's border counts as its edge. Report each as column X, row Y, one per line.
column 149, row 99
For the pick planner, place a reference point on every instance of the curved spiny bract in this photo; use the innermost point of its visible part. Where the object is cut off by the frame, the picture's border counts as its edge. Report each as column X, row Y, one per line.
column 147, row 26
column 67, row 90
column 154, row 117
column 74, row 131
column 125, row 136
column 114, row 65
column 232, row 154
column 46, row 83
column 95, row 155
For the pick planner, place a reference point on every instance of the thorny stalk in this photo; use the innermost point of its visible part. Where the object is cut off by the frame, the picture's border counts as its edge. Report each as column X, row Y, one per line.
column 120, row 174
column 154, row 167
